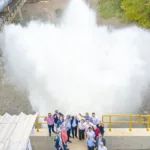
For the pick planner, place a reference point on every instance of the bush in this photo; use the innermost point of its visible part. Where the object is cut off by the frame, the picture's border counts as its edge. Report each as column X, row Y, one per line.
column 137, row 11
column 110, row 8
column 59, row 12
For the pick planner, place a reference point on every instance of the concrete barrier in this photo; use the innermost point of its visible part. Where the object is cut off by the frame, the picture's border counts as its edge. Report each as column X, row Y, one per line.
column 117, row 139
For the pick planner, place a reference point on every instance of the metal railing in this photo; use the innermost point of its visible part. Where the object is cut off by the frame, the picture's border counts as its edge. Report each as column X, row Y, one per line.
column 37, row 123
column 125, row 119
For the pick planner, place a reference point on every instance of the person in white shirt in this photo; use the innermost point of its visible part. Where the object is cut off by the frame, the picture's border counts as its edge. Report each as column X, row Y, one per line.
column 81, row 129
column 94, row 119
column 90, row 133
column 101, row 146
column 87, row 125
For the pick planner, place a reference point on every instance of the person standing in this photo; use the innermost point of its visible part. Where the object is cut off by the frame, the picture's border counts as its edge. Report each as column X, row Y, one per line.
column 56, row 116
column 67, row 125
column 74, row 126
column 100, row 125
column 90, row 143
column 101, row 146
column 60, row 121
column 100, row 139
column 81, row 130
column 96, row 131
column 90, row 133
column 86, row 117
column 50, row 122
column 94, row 119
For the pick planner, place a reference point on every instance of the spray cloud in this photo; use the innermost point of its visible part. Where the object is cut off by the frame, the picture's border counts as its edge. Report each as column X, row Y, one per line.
column 78, row 66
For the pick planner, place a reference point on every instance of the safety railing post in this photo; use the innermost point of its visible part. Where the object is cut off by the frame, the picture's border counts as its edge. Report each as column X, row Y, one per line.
column 109, row 123
column 36, row 124
column 148, row 122
column 130, row 129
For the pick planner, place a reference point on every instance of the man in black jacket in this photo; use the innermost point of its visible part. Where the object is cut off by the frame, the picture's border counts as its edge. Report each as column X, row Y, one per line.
column 56, row 116
column 74, row 126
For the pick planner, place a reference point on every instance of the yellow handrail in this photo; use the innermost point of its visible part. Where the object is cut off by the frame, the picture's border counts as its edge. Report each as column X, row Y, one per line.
column 131, row 119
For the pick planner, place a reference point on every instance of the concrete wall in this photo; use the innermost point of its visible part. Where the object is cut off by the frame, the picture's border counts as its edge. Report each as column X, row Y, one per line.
column 128, row 142
column 42, row 143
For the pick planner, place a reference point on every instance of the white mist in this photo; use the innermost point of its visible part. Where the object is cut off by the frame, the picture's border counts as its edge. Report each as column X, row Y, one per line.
column 78, row 66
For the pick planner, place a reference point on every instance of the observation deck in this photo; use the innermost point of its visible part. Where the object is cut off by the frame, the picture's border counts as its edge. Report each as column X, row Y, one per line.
column 127, row 138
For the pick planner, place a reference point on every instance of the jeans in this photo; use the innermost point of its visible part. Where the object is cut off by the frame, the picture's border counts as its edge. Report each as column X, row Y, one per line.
column 68, row 133
column 74, row 131
column 90, row 148
column 51, row 127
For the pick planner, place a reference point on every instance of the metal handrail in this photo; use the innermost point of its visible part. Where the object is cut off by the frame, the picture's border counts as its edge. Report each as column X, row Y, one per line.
column 140, row 120
column 131, row 121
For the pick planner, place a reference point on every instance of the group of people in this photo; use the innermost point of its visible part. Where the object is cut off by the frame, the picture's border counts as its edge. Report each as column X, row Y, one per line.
column 89, row 128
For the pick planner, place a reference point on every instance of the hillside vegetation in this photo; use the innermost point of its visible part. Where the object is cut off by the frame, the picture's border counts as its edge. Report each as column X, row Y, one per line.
column 137, row 11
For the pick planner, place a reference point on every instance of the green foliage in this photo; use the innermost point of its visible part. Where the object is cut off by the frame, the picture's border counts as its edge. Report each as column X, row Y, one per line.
column 59, row 12
column 137, row 11
column 110, row 8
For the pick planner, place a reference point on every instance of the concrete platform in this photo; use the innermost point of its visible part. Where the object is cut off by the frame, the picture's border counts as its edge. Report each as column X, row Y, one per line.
column 117, row 139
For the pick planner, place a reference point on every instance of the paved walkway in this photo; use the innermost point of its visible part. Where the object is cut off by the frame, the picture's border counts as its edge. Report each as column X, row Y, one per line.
column 77, row 145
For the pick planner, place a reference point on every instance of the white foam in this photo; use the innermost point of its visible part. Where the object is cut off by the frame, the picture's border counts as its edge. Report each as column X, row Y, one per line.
column 78, row 66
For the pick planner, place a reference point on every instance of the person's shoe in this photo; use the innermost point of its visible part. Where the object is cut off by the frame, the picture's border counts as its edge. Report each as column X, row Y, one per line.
column 76, row 136
column 69, row 141
column 54, row 132
column 49, row 134
column 73, row 137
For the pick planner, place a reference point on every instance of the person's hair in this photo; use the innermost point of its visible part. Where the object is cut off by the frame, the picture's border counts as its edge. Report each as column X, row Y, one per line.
column 49, row 113
column 93, row 113
column 83, row 120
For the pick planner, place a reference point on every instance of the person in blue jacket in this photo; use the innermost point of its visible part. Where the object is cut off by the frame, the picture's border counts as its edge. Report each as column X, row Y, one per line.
column 60, row 121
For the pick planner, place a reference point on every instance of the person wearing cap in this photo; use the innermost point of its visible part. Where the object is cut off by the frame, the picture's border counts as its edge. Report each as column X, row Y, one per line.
column 101, row 146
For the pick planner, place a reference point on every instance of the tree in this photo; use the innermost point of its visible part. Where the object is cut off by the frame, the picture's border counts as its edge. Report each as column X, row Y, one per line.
column 137, row 11
column 110, row 8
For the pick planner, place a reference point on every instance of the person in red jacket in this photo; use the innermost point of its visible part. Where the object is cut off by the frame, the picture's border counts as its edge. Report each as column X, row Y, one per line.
column 96, row 130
